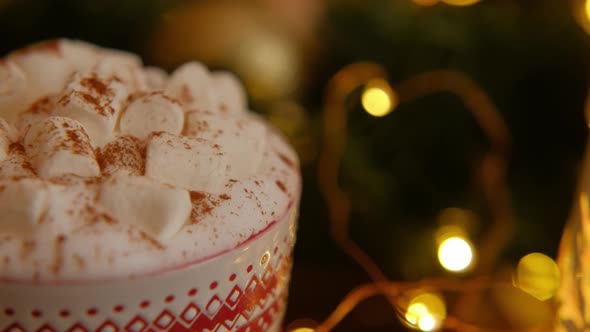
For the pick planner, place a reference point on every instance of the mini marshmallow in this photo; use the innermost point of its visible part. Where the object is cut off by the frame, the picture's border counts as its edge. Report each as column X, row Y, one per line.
column 4, row 145
column 157, row 209
column 191, row 163
column 190, row 84
column 9, row 130
column 79, row 54
column 16, row 163
column 241, row 138
column 45, row 67
column 122, row 155
column 59, row 146
column 124, row 69
column 22, row 202
column 40, row 110
column 14, row 94
column 155, row 78
column 95, row 103
column 8, row 134
column 152, row 112
column 230, row 93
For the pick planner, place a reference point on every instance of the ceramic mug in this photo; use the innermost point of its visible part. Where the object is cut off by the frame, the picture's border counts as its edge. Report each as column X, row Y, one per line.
column 243, row 289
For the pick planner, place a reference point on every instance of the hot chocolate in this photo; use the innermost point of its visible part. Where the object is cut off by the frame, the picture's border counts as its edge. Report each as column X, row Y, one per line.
column 112, row 174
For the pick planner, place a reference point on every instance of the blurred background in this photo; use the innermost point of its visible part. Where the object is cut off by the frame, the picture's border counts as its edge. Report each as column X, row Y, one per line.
column 409, row 169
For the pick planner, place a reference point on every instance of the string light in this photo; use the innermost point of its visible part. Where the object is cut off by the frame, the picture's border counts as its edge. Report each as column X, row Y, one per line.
column 492, row 177
column 302, row 329
column 378, row 99
column 426, row 312
column 461, row 3
column 455, row 254
column 538, row 275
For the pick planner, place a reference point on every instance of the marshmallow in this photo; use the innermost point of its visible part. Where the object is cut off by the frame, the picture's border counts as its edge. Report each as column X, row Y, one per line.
column 9, row 130
column 124, row 69
column 122, row 155
column 8, row 134
column 16, row 163
column 4, row 145
column 190, row 84
column 231, row 97
column 13, row 89
column 155, row 78
column 95, row 103
column 241, row 138
column 152, row 112
column 22, row 202
column 159, row 210
column 38, row 111
column 80, row 55
column 45, row 67
column 191, row 163
column 59, row 146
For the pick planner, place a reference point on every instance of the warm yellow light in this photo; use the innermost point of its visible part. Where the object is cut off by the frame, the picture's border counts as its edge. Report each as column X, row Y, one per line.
column 455, row 254
column 587, row 9
column 460, row 2
column 378, row 99
column 538, row 275
column 427, row 323
column 303, row 329
column 426, row 312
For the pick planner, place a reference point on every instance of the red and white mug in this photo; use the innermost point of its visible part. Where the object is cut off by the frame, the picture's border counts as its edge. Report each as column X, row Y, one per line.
column 244, row 289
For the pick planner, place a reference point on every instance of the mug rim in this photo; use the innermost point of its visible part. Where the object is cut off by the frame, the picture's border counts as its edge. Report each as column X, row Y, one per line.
column 179, row 267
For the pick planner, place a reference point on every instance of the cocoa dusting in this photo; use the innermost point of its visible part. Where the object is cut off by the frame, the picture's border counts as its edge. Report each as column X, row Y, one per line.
column 185, row 95
column 286, row 160
column 123, row 153
column 281, row 186
column 151, row 241
column 224, row 197
column 16, row 148
column 79, row 262
column 96, row 85
column 58, row 260
column 6, row 260
column 94, row 102
column 26, row 249
column 201, row 205
column 42, row 105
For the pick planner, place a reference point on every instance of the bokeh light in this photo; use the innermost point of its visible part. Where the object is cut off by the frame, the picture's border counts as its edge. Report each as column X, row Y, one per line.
column 426, row 312
column 378, row 99
column 460, row 2
column 302, row 329
column 587, row 10
column 538, row 275
column 455, row 254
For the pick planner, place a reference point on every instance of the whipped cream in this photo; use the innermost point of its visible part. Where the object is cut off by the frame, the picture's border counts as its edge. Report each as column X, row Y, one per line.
column 109, row 169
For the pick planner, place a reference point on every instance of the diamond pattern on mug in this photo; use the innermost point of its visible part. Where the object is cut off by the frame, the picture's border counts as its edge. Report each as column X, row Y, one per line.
column 108, row 326
column 137, row 324
column 46, row 328
column 190, row 313
column 164, row 320
column 234, row 296
column 14, row 328
column 213, row 306
column 77, row 328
